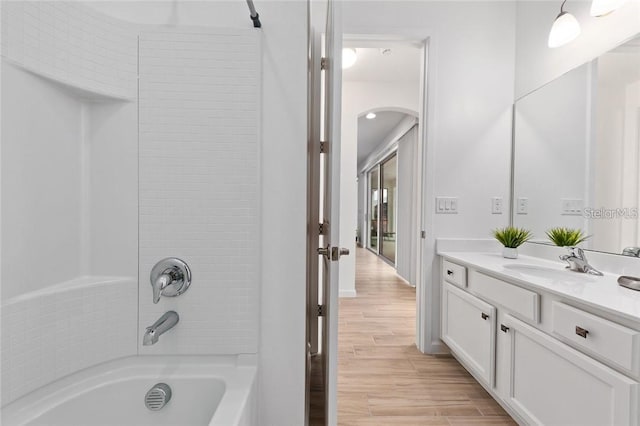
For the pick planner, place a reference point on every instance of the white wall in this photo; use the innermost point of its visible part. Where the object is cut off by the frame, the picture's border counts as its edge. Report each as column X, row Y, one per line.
column 471, row 66
column 284, row 224
column 536, row 64
column 407, row 235
column 470, row 85
column 199, row 185
column 359, row 97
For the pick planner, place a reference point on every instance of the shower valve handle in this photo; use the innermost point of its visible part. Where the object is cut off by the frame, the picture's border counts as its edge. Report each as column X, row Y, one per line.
column 170, row 277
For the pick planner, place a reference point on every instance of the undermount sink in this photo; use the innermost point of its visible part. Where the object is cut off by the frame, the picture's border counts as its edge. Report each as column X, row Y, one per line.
column 559, row 273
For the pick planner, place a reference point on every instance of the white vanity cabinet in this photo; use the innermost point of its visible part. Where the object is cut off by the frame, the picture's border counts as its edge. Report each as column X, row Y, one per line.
column 553, row 384
column 521, row 344
column 469, row 329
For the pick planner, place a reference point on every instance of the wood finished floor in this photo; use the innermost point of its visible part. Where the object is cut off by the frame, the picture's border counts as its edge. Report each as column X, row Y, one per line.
column 382, row 377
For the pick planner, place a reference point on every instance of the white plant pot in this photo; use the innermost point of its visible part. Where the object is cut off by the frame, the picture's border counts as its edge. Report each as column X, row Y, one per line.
column 510, row 253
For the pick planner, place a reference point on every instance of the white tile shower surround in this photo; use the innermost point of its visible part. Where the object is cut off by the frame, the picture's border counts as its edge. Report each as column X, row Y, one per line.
column 48, row 334
column 72, row 44
column 199, row 185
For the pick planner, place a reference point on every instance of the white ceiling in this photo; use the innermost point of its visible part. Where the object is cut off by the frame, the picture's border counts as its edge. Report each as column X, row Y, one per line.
column 372, row 132
column 402, row 64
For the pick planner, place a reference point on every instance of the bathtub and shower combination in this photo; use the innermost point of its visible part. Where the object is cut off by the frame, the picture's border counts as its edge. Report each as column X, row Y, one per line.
column 85, row 339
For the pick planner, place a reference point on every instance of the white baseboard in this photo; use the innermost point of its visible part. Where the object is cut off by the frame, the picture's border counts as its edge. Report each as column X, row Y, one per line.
column 347, row 293
column 437, row 347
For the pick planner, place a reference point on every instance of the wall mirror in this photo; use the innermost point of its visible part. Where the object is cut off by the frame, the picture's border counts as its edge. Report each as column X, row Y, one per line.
column 576, row 158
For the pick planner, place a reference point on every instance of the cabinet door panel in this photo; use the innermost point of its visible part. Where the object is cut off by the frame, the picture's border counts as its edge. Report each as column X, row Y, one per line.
column 553, row 384
column 468, row 328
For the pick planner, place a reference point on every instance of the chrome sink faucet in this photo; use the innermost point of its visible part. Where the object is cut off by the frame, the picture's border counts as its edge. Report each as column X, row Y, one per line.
column 164, row 324
column 578, row 262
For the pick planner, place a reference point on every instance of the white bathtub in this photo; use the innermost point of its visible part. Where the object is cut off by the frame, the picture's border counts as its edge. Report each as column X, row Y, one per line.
column 214, row 391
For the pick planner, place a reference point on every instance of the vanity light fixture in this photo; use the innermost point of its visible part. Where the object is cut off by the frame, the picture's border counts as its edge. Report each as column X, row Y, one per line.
column 370, row 116
column 349, row 57
column 565, row 28
column 600, row 8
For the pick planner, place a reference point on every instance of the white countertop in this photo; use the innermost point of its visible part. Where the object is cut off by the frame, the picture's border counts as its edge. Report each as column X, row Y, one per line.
column 599, row 292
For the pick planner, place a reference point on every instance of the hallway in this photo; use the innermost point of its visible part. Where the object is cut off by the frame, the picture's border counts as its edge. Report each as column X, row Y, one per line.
column 382, row 377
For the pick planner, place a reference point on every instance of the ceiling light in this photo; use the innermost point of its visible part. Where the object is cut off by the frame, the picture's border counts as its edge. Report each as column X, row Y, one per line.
column 349, row 57
column 565, row 28
column 601, row 8
column 370, row 116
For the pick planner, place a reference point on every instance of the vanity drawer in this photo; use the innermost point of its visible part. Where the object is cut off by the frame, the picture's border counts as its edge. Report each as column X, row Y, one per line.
column 611, row 341
column 455, row 274
column 521, row 302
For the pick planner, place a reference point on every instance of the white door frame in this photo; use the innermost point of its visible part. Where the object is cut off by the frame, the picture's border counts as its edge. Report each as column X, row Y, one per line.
column 427, row 271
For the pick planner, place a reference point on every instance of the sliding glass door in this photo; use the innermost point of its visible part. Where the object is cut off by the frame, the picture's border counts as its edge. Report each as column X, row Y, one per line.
column 382, row 182
column 374, row 184
column 388, row 177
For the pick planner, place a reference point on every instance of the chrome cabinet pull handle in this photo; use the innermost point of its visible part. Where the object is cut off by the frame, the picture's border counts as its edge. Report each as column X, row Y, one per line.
column 485, row 316
column 504, row 328
column 449, row 272
column 581, row 332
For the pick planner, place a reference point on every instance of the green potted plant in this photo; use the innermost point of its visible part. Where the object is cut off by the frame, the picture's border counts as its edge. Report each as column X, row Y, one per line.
column 511, row 238
column 566, row 237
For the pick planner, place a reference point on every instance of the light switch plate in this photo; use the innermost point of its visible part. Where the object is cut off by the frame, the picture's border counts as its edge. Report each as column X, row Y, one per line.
column 571, row 207
column 496, row 205
column 446, row 205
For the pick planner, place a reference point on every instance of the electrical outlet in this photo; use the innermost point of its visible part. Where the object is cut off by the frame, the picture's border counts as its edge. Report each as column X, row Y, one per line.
column 496, row 205
column 522, row 206
column 446, row 205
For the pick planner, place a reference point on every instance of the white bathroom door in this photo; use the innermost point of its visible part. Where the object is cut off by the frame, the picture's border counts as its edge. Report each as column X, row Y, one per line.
column 331, row 204
column 324, row 247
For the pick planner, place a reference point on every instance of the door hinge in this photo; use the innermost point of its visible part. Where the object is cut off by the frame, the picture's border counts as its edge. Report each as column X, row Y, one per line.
column 323, row 63
column 321, row 310
column 324, row 147
column 321, row 228
column 423, row 234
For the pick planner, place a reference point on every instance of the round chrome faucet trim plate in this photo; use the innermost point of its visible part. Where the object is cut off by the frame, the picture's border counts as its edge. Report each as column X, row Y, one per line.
column 180, row 272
